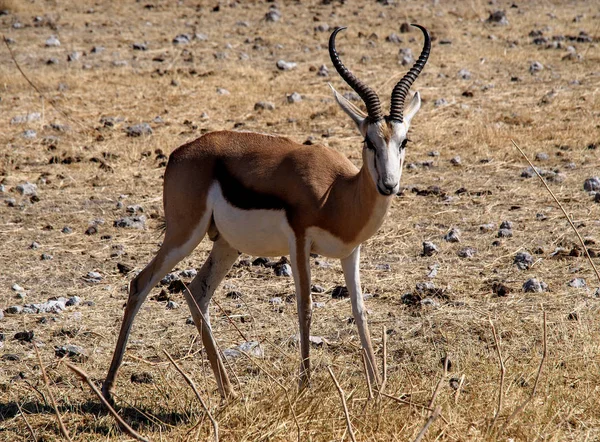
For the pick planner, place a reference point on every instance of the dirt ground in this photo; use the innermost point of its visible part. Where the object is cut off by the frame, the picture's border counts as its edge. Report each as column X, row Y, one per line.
column 63, row 127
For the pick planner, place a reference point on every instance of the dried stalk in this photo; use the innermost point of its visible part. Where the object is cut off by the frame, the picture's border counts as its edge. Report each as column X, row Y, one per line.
column 33, row 436
column 502, row 374
column 521, row 407
column 384, row 364
column 343, row 398
column 195, row 390
column 63, row 429
column 439, row 384
column 430, row 421
column 365, row 366
column 458, row 390
column 122, row 424
column 587, row 254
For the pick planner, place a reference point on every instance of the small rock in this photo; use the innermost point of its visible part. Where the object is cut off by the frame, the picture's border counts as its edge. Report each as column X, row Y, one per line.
column 24, row 336
column 14, row 310
column 467, row 252
column 97, row 49
column 317, row 289
column 73, row 300
column 264, row 105
column 119, row 63
column 46, row 257
column 134, row 208
column 322, row 27
column 222, row 91
column 464, row 74
column 340, row 292
column 283, row 269
column 487, row 227
column 423, row 287
column 433, row 270
column 500, row 289
column 532, row 285
column 181, row 39
column 453, row 235
column 20, row 119
column 429, row 248
column 505, row 233
column 410, row 299
column 74, row 352
column 200, row 36
column 137, row 130
column 188, row 273
column 52, row 42
column 578, row 283
column 286, row 65
column 172, row 305
column 506, row 225
column 535, row 67
column 276, row 300
column 294, row 97
column 134, row 222
column 456, row 161
column 394, row 38
column 440, row 102
column 17, row 288
column 73, row 56
column 384, row 266
column 234, row 295
column 323, row 71
column 592, row 184
column 523, row 260
column 317, row 341
column 91, row 230
column 29, row 134
column 142, row 378
column 273, row 15
column 66, row 230
column 498, row 18
column 140, row 46
column 597, row 197
column 541, row 156
column 27, row 189
column 406, row 56
column 93, row 276
column 404, row 28
column 430, row 302
column 10, row 357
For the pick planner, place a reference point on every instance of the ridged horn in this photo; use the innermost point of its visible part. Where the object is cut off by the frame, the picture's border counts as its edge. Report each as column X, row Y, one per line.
column 402, row 87
column 368, row 95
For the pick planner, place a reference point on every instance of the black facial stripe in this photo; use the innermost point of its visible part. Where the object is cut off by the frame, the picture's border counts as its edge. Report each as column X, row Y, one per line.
column 369, row 144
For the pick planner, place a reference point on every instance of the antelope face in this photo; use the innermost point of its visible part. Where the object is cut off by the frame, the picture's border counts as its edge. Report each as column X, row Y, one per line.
column 385, row 137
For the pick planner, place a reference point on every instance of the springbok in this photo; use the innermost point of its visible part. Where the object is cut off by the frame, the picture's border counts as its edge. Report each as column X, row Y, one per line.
column 269, row 196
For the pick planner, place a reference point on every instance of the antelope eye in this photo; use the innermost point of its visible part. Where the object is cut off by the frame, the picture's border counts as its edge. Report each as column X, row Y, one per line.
column 369, row 145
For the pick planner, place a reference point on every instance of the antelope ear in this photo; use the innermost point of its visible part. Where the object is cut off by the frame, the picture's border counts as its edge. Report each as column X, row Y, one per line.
column 357, row 115
column 413, row 107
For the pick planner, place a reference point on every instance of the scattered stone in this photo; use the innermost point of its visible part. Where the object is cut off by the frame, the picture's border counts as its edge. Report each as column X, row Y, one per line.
column 91, row 230
column 404, row 28
column 46, row 257
column 223, row 91
column 323, row 71
column 234, row 295
column 424, row 287
column 532, row 285
column 340, row 292
column 200, row 36
column 119, row 63
column 52, row 60
column 406, row 56
column 134, row 208
column 453, row 235
column 140, row 46
column 273, row 15
column 317, row 289
column 283, row 269
column 50, row 306
column 24, row 336
column 17, row 288
column 394, row 38
column 464, row 74
column 385, row 267
column 264, row 105
column 14, row 310
column 317, row 341
column 506, row 225
column 29, row 134
column 592, row 184
column 137, row 130
column 134, row 222
column 597, row 197
column 10, row 357
column 573, row 316
column 429, row 248
column 433, row 270
column 498, row 18
column 430, row 302
column 523, row 260
column 27, row 189
column 66, row 230
column 322, row 27
column 541, row 156
column 20, row 119
column 283, row 65
column 410, row 299
column 500, row 289
column 142, row 378
column 74, row 352
column 52, row 42
column 181, row 39
column 93, row 277
column 578, row 283
column 487, row 227
column 277, row 300
column 74, row 56
column 73, row 300
column 467, row 252
column 440, row 102
column 252, row 348
column 172, row 305
column 535, row 67
column 456, row 161
column 188, row 273
column 294, row 97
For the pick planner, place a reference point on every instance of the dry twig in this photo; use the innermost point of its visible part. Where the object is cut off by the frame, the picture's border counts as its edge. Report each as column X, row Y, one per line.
column 521, row 407
column 63, row 429
column 365, row 366
column 502, row 374
column 343, row 398
column 439, row 384
column 384, row 364
column 33, row 436
column 123, row 425
column 587, row 253
column 430, row 421
column 213, row 421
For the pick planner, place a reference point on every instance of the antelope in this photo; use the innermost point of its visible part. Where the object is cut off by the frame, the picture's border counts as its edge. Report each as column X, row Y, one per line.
column 266, row 195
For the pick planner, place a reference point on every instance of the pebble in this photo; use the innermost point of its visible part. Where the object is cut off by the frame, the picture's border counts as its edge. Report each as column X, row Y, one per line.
column 498, row 18
column 134, row 208
column 394, row 38
column 294, row 97
column 467, row 252
column 323, row 71
column 26, row 189
column 134, row 222
column 52, row 42
column 317, row 341
column 433, row 270
column 234, row 294
column 578, row 283
column 286, row 65
column 181, row 39
column 24, row 336
column 430, row 302
column 252, row 348
column 424, row 286
column 273, row 15
column 429, row 248
column 456, row 161
column 535, row 67
column 406, row 56
column 592, row 184
column 29, row 134
column 523, row 260
column 119, row 63
column 14, row 310
column 283, row 269
column 384, row 266
column 67, row 229
column 46, row 257
column 140, row 46
column 188, row 273
column 172, row 305
column 453, row 235
column 487, row 227
column 464, row 74
column 317, row 289
column 340, row 292
column 50, row 306
column 264, row 105
column 440, row 102
column 322, row 27
column 137, row 130
column 532, row 285
column 142, row 378
column 93, row 276
column 277, row 300
column 222, row 91
column 72, row 351
column 541, row 156
column 20, row 119
column 17, row 288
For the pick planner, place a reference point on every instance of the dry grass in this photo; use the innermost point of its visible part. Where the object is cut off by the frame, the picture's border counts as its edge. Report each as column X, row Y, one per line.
column 478, row 128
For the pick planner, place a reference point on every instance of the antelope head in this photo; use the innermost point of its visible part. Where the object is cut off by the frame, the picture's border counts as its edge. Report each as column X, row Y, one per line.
column 385, row 137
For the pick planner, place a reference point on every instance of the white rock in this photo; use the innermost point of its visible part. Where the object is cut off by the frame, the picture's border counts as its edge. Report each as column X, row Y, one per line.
column 52, row 41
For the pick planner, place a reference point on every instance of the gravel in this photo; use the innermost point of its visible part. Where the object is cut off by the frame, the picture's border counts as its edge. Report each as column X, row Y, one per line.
column 429, row 248
column 453, row 235
column 137, row 130
column 532, row 285
column 523, row 260
column 592, row 184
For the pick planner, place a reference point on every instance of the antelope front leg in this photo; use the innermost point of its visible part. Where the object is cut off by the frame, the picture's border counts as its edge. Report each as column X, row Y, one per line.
column 299, row 254
column 351, row 267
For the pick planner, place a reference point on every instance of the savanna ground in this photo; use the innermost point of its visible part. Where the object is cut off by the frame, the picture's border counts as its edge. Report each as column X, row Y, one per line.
column 84, row 171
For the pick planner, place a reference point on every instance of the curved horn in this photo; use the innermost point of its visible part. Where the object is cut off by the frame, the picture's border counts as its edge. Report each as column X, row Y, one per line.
column 402, row 87
column 367, row 94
